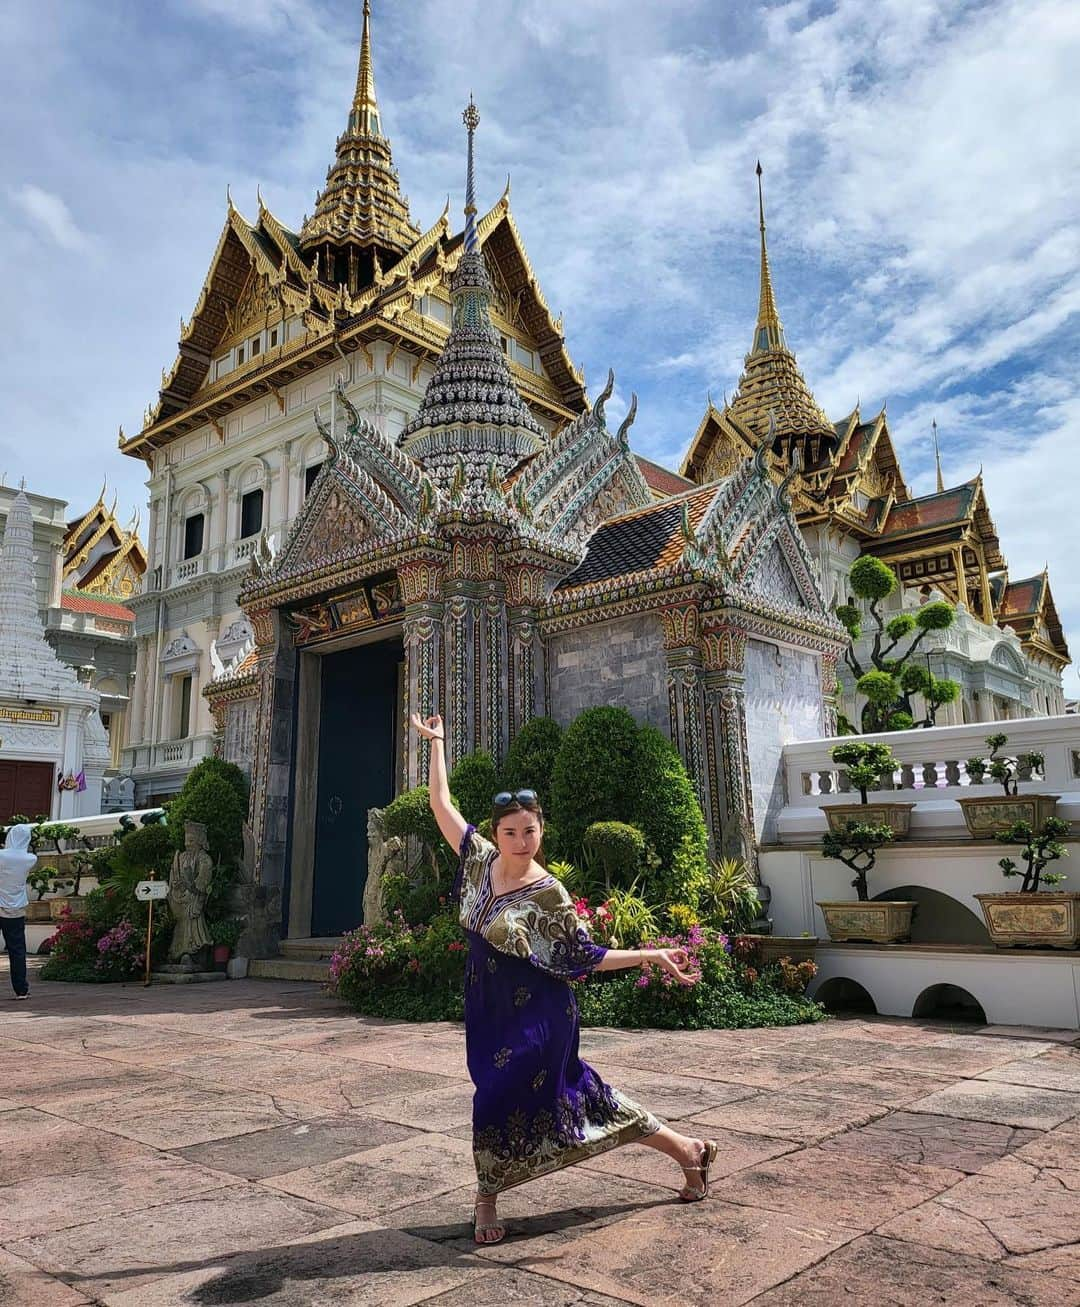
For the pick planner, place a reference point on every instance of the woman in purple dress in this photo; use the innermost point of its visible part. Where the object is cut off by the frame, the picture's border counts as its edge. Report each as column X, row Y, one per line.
column 537, row 1106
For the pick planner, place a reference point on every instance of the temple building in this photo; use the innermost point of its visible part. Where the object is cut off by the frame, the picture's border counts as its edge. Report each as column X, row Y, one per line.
column 53, row 745
column 85, row 569
column 1006, row 649
column 378, row 486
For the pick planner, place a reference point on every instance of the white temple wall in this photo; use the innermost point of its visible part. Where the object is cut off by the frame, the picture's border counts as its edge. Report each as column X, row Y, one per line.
column 621, row 663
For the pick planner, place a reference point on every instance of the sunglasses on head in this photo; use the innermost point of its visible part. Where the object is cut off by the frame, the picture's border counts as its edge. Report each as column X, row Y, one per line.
column 528, row 798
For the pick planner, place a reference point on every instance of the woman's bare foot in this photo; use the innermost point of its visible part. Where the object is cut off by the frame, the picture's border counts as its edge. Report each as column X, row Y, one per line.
column 486, row 1229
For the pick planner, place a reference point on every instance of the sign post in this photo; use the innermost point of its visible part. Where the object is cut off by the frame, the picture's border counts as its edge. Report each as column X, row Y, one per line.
column 148, row 892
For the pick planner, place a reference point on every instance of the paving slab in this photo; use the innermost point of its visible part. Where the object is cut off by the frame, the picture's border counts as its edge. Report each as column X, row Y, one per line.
column 682, row 1255
column 839, row 1188
column 292, row 1147
column 988, row 1100
column 735, row 1153
column 892, row 1273
column 944, row 1141
column 808, row 1118
column 1039, row 1072
column 359, row 1263
column 107, row 1255
column 25, row 1285
column 1010, row 1207
column 36, row 1144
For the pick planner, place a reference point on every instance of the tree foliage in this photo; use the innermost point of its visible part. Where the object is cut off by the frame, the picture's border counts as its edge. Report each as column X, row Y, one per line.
column 891, row 679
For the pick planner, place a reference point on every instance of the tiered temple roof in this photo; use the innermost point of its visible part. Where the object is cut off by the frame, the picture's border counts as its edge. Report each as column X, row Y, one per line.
column 101, row 557
column 849, row 478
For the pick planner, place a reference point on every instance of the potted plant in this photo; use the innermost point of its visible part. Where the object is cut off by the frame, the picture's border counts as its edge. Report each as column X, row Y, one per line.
column 867, row 764
column 732, row 902
column 988, row 815
column 223, row 936
column 880, row 921
column 1046, row 918
column 38, row 880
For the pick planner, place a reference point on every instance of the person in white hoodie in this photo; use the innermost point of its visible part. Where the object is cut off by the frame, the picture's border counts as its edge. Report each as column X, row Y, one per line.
column 15, row 861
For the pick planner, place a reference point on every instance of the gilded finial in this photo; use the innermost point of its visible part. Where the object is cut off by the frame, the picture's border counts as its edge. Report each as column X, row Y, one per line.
column 364, row 119
column 937, row 458
column 228, row 198
column 471, row 119
column 769, row 332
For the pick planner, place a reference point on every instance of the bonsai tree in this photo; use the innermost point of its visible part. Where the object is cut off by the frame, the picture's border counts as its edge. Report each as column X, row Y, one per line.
column 857, row 847
column 1039, row 848
column 1006, row 770
column 618, row 848
column 891, row 679
column 57, row 833
column 864, row 763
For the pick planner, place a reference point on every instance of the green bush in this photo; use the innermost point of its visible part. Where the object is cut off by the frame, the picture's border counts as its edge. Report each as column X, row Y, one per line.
column 530, row 761
column 409, row 816
column 474, row 782
column 666, row 808
column 617, row 849
column 213, row 800
column 228, row 772
column 413, row 973
column 593, row 776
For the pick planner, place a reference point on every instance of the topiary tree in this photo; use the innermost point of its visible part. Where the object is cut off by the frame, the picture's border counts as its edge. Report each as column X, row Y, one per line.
column 530, row 760
column 857, row 847
column 865, row 763
column 593, row 777
column 213, row 800
column 665, row 805
column 618, row 849
column 891, row 679
column 473, row 782
column 1040, row 847
column 226, row 771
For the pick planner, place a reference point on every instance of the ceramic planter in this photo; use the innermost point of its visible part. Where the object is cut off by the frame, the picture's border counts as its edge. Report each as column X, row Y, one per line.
column 878, row 921
column 990, row 813
column 236, row 968
column 799, row 948
column 897, row 816
column 39, row 910
column 75, row 904
column 221, row 956
column 1044, row 919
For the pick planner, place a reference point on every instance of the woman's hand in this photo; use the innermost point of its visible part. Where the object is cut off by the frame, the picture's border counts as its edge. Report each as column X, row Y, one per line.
column 672, row 960
column 431, row 728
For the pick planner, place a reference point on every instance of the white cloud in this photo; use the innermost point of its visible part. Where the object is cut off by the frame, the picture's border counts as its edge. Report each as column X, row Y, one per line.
column 48, row 213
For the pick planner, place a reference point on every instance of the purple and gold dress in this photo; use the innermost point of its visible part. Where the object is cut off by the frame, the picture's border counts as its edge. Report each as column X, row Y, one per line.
column 537, row 1106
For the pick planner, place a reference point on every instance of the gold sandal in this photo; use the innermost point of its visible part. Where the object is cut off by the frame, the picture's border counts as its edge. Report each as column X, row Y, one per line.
column 482, row 1229
column 708, row 1156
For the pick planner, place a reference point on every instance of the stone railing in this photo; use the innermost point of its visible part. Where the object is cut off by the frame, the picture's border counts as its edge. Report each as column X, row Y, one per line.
column 932, row 772
column 141, row 758
column 187, row 570
column 243, row 549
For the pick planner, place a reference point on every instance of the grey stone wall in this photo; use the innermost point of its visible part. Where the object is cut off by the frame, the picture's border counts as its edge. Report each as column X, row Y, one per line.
column 619, row 663
column 783, row 703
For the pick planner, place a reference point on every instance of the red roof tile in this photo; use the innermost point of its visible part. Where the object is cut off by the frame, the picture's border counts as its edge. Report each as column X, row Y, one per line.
column 661, row 480
column 932, row 510
column 78, row 603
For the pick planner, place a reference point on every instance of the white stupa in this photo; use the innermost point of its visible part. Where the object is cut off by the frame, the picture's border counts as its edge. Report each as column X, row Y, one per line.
column 53, row 746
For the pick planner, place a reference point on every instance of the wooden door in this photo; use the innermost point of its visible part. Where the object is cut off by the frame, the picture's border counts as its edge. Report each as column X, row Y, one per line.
column 25, row 787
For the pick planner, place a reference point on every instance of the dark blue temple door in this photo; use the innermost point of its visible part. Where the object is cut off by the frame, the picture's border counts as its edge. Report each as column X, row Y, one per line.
column 356, row 772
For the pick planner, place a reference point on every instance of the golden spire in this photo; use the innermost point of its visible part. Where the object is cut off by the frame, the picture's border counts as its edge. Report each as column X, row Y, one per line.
column 364, row 118
column 937, row 459
column 769, row 333
column 361, row 205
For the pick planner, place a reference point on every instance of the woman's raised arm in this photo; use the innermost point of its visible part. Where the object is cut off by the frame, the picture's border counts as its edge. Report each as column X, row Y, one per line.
column 449, row 820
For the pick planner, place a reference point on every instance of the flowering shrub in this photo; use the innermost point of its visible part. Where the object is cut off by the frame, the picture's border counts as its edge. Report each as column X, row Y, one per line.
column 395, row 969
column 121, row 952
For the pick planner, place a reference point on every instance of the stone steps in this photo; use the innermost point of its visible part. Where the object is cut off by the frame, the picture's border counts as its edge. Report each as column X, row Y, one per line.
column 283, row 968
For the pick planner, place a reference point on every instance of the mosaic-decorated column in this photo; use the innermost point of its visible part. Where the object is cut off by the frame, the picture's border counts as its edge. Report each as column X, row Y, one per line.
column 827, row 664
column 473, row 648
column 525, row 681
column 421, row 584
column 686, row 703
column 727, row 755
column 272, row 753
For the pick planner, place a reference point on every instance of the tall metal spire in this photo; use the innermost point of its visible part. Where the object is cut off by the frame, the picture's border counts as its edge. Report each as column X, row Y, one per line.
column 769, row 333
column 364, row 118
column 471, row 119
column 937, row 458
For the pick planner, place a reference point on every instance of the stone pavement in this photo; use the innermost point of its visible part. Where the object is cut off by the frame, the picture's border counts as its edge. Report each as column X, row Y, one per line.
column 253, row 1142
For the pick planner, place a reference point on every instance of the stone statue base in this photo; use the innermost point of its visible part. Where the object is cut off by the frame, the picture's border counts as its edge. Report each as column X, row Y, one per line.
column 259, row 907
column 177, row 974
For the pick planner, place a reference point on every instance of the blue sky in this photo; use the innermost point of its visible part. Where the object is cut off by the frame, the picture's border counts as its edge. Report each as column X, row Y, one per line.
column 921, row 186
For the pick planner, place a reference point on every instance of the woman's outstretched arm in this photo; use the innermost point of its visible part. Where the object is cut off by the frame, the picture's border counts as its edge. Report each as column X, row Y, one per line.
column 449, row 820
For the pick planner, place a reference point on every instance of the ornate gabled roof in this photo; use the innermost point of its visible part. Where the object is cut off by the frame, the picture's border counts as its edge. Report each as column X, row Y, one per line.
column 361, row 202
column 98, row 552
column 471, row 409
column 1028, row 607
column 949, row 512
